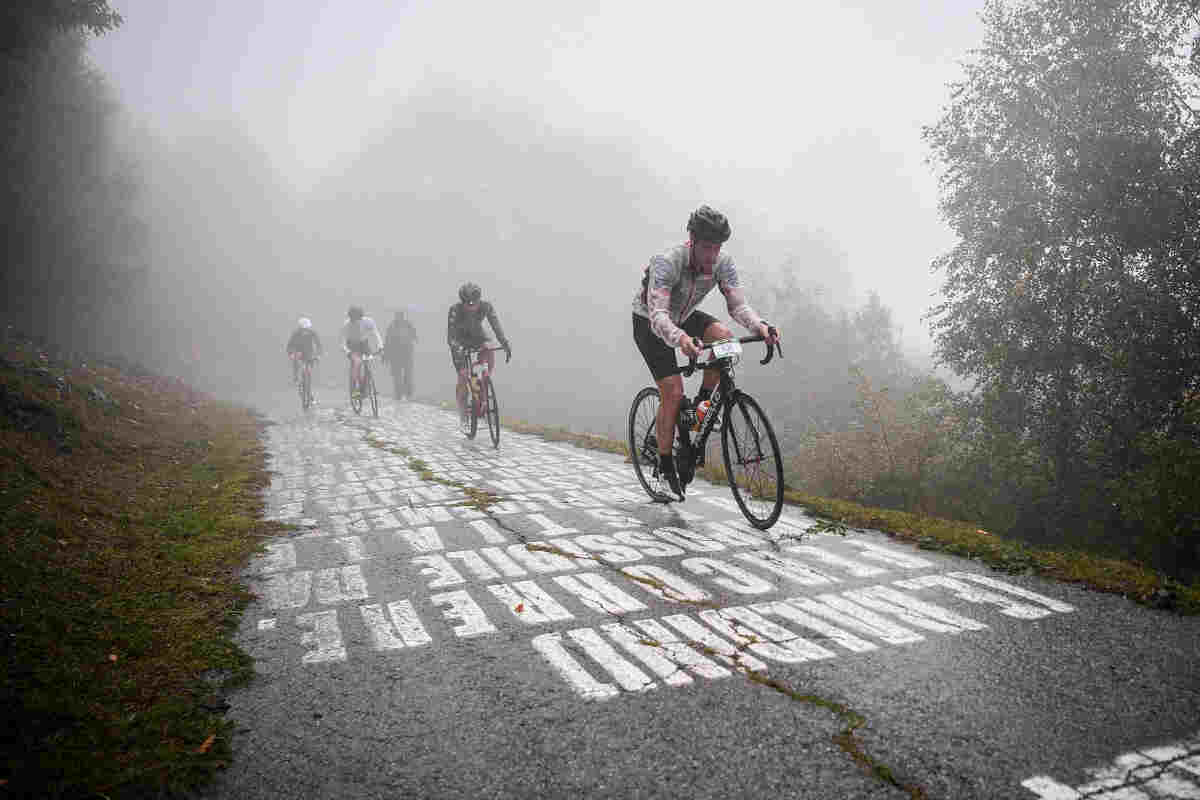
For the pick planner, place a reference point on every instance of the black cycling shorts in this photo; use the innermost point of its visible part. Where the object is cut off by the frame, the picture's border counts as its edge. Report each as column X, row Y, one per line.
column 358, row 346
column 659, row 357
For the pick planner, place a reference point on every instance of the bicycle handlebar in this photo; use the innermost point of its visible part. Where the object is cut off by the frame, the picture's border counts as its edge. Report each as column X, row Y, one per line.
column 692, row 365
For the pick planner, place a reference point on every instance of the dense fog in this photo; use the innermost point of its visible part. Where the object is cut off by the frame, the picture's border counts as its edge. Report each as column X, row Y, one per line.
column 188, row 180
column 476, row 166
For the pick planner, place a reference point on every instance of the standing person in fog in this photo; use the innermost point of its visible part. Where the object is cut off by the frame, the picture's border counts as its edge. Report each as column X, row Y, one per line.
column 398, row 351
column 464, row 332
column 665, row 316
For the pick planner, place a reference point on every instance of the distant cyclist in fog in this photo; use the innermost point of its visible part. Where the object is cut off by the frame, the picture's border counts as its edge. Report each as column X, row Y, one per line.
column 398, row 351
column 360, row 337
column 304, row 345
column 464, row 332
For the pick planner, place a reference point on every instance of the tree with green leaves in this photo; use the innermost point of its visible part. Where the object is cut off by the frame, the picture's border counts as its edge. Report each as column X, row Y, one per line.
column 1070, row 159
column 68, row 236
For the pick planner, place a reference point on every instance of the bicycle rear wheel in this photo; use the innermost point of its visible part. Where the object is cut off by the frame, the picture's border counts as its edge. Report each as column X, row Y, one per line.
column 752, row 461
column 493, row 411
column 305, row 389
column 643, row 444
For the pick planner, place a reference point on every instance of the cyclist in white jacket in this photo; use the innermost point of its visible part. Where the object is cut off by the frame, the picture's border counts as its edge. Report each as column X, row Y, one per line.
column 360, row 337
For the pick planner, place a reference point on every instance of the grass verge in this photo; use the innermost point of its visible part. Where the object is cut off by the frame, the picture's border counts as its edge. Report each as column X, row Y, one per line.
column 127, row 505
column 1103, row 574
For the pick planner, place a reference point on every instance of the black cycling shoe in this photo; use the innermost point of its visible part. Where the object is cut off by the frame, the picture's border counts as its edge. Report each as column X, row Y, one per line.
column 672, row 479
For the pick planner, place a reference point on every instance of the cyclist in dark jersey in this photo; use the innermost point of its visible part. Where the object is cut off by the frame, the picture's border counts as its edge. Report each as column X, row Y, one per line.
column 464, row 332
column 665, row 316
column 304, row 344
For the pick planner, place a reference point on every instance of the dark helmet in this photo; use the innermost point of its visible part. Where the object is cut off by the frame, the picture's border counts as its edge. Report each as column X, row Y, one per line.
column 708, row 224
column 355, row 312
column 470, row 293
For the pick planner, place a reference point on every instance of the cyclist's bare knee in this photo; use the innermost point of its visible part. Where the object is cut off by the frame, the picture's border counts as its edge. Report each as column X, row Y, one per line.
column 717, row 330
column 670, row 390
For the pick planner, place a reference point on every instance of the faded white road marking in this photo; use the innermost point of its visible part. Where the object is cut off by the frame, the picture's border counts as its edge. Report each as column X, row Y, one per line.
column 856, row 569
column 749, row 629
column 279, row 557
column 913, row 611
column 785, row 567
column 423, row 540
column 402, row 629
column 793, row 614
column 353, row 547
column 325, row 638
column 663, row 583
column 529, row 603
column 580, row 680
column 465, row 609
column 489, row 534
column 598, row 594
column 974, row 594
column 629, row 677
column 735, row 579
column 1028, row 594
column 887, row 555
column 440, row 571
column 1167, row 771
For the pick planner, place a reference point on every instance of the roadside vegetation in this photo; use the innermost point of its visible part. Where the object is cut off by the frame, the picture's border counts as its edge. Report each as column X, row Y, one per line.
column 128, row 501
column 1096, row 570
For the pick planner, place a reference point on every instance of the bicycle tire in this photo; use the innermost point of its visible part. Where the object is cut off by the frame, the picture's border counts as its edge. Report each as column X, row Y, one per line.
column 369, row 381
column 643, row 444
column 748, row 442
column 305, row 389
column 355, row 403
column 471, row 423
column 493, row 411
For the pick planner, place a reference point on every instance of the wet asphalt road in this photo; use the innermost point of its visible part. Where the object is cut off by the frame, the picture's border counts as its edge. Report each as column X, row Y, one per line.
column 411, row 645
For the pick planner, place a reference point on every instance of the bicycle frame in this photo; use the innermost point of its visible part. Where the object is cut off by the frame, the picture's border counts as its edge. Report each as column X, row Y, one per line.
column 477, row 370
column 724, row 395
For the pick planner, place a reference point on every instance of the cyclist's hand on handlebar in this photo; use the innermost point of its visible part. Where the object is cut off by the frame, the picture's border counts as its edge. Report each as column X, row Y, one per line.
column 769, row 333
column 690, row 346
column 507, row 352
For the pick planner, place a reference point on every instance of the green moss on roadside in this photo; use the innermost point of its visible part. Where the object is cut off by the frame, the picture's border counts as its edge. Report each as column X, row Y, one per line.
column 121, row 555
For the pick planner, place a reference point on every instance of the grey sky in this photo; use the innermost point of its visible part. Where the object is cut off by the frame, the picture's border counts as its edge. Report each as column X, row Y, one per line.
column 808, row 113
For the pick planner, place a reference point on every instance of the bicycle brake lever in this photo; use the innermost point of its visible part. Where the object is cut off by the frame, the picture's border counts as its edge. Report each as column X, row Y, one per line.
column 771, row 347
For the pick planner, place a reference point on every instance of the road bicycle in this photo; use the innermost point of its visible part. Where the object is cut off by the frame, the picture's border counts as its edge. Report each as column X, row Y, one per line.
column 749, row 449
column 305, row 383
column 367, row 390
column 481, row 398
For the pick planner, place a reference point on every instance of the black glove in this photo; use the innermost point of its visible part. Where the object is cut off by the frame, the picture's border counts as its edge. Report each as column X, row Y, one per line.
column 507, row 352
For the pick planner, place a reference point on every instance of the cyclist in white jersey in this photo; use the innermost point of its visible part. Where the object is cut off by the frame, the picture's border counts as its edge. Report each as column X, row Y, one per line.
column 360, row 337
column 665, row 317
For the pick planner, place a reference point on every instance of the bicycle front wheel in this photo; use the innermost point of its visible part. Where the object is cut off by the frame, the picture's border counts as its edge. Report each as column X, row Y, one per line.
column 752, row 461
column 355, row 396
column 493, row 411
column 643, row 444
column 372, row 392
column 469, row 421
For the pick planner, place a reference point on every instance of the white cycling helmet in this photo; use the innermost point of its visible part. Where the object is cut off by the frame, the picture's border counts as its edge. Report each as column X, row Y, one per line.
column 305, row 322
